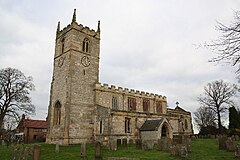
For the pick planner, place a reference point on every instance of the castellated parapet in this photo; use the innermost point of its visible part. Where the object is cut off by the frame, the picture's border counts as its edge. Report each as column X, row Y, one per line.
column 131, row 92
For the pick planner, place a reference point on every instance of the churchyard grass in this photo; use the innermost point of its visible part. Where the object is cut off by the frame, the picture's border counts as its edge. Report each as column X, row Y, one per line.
column 202, row 149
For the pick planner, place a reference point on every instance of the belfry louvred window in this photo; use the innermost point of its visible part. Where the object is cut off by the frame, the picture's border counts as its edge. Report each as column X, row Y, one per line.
column 85, row 46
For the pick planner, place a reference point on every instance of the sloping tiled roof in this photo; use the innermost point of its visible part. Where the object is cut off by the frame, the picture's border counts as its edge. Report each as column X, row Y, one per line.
column 29, row 123
column 151, row 125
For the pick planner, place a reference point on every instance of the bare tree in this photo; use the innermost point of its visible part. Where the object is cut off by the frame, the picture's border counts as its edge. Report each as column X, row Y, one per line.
column 205, row 117
column 218, row 96
column 15, row 88
column 227, row 46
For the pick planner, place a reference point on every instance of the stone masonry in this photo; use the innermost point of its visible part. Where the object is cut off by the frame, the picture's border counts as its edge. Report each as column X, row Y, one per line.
column 81, row 109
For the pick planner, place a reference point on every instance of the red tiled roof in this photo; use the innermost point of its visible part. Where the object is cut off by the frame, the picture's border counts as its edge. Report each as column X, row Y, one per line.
column 29, row 123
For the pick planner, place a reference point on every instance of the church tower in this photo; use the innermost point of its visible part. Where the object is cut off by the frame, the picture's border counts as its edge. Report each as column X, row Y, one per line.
column 75, row 73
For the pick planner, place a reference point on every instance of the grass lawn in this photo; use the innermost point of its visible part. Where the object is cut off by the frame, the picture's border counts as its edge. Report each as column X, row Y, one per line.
column 204, row 149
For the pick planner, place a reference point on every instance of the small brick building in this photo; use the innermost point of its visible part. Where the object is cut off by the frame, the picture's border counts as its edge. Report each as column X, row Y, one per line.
column 33, row 130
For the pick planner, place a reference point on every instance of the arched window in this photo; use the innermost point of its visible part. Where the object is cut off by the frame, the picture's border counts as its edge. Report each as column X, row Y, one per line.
column 57, row 113
column 62, row 43
column 85, row 46
column 186, row 124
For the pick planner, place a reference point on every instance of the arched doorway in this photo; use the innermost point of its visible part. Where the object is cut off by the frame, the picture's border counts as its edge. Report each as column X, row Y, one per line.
column 165, row 131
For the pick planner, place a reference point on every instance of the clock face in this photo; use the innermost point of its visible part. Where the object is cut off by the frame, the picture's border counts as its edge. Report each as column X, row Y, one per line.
column 85, row 61
column 60, row 61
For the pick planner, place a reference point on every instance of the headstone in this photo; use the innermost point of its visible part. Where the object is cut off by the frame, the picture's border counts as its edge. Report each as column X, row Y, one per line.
column 173, row 150
column 183, row 152
column 138, row 144
column 83, row 151
column 230, row 146
column 57, row 148
column 236, row 137
column 149, row 145
column 98, row 151
column 222, row 142
column 237, row 152
column 36, row 152
column 124, row 141
column 113, row 145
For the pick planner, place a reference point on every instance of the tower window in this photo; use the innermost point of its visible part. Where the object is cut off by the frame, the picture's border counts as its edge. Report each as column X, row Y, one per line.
column 114, row 103
column 63, row 44
column 57, row 113
column 101, row 127
column 146, row 105
column 159, row 108
column 127, row 125
column 132, row 104
column 85, row 46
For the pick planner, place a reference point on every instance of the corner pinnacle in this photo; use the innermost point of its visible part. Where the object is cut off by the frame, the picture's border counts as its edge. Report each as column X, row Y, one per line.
column 98, row 29
column 58, row 27
column 74, row 16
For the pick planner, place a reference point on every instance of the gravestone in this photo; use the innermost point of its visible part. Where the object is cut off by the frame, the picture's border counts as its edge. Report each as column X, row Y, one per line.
column 83, row 151
column 237, row 152
column 98, row 151
column 3, row 143
column 222, row 142
column 236, row 137
column 36, row 152
column 230, row 146
column 124, row 141
column 113, row 145
column 173, row 150
column 57, row 148
column 138, row 144
column 183, row 152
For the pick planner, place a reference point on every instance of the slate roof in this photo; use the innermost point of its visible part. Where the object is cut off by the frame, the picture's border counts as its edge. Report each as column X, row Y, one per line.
column 151, row 125
column 29, row 123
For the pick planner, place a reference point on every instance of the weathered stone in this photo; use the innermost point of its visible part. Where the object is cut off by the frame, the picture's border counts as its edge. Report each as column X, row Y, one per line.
column 98, row 151
column 237, row 151
column 230, row 146
column 236, row 137
column 87, row 110
column 57, row 148
column 222, row 142
column 183, row 153
column 83, row 151
column 113, row 145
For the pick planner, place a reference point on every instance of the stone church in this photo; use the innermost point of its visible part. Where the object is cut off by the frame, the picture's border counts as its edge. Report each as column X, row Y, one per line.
column 81, row 109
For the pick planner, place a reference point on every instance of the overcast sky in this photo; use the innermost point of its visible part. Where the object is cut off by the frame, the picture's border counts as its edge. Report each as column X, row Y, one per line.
column 147, row 45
